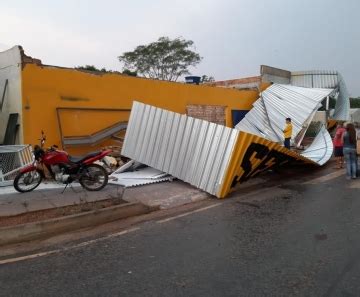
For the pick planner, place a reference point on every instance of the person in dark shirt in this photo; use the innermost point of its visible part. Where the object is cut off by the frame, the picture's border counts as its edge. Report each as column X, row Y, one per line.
column 349, row 140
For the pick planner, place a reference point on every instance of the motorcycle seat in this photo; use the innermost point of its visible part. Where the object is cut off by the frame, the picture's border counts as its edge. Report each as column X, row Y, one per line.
column 79, row 159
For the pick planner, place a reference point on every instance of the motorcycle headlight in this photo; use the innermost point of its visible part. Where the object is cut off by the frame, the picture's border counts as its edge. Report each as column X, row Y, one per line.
column 38, row 152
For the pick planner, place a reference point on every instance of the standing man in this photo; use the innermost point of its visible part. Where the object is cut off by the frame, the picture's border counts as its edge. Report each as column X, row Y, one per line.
column 287, row 133
column 339, row 145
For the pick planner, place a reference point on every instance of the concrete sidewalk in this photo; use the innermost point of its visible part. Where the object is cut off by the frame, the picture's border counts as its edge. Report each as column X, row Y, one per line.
column 163, row 195
column 49, row 196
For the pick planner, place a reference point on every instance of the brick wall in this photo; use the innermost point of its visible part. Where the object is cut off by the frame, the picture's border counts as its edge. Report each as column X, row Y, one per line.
column 211, row 113
column 240, row 83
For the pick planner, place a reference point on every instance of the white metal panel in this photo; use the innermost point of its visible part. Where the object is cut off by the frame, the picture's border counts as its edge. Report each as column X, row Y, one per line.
column 342, row 107
column 267, row 117
column 143, row 173
column 190, row 149
column 128, row 183
column 321, row 149
column 143, row 176
column 326, row 79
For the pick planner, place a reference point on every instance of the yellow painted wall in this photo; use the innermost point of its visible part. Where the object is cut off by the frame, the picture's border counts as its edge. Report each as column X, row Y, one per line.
column 45, row 88
column 252, row 155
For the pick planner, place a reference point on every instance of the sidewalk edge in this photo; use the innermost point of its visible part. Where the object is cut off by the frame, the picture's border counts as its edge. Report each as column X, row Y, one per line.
column 47, row 228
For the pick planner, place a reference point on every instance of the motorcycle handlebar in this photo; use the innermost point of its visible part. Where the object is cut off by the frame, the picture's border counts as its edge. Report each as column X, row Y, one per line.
column 42, row 139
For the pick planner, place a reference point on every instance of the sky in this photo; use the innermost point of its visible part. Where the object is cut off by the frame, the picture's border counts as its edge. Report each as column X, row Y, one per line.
column 234, row 37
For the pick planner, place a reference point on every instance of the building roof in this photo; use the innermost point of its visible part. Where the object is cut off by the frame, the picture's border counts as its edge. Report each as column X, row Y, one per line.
column 278, row 102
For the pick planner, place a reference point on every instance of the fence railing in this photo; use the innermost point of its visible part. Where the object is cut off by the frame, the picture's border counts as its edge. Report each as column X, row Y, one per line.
column 12, row 159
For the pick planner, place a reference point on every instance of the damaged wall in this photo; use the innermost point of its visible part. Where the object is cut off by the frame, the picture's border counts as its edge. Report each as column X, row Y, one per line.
column 211, row 113
column 253, row 82
column 10, row 97
column 99, row 100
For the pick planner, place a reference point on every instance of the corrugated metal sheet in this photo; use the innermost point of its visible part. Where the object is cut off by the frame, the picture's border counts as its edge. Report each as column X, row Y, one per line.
column 128, row 183
column 139, row 177
column 193, row 150
column 143, row 173
column 276, row 103
column 321, row 149
column 315, row 79
column 211, row 157
column 326, row 79
column 342, row 108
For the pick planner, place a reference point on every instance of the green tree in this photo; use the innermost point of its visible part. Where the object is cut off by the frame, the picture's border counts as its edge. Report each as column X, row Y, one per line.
column 165, row 59
column 104, row 70
column 355, row 102
column 90, row 68
column 206, row 79
column 129, row 72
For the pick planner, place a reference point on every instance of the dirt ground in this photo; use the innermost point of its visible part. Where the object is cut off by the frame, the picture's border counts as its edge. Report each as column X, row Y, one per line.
column 58, row 212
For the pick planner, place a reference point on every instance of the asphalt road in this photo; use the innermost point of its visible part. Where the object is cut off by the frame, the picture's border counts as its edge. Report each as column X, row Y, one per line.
column 290, row 240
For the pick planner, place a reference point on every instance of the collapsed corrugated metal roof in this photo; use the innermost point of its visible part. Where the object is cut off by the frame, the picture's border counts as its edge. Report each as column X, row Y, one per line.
column 342, row 107
column 276, row 103
column 190, row 149
column 209, row 156
column 315, row 79
column 326, row 79
column 323, row 79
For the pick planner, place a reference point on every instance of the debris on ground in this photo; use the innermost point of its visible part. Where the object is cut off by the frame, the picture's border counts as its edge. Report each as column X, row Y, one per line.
column 211, row 157
column 134, row 174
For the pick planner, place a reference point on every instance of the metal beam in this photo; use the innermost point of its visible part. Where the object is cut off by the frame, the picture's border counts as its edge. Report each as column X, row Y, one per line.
column 3, row 95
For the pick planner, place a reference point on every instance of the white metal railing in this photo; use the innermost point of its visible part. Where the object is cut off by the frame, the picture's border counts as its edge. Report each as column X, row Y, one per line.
column 12, row 159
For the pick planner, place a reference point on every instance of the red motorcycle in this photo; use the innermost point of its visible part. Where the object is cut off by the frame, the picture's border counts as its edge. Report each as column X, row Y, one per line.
column 63, row 168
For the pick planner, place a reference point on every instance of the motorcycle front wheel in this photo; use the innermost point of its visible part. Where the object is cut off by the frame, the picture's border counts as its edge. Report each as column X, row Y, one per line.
column 27, row 181
column 93, row 177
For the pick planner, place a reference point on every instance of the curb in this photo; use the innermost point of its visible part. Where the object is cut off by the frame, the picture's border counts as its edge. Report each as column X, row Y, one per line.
column 47, row 228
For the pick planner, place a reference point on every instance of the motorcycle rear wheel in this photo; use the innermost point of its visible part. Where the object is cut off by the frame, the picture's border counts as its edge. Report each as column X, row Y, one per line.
column 27, row 181
column 94, row 177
